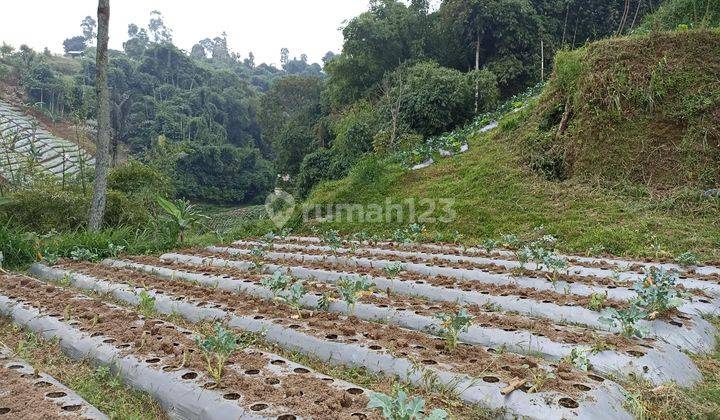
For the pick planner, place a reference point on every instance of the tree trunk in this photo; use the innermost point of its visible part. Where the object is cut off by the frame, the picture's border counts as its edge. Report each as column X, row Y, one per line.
column 102, row 155
column 477, row 67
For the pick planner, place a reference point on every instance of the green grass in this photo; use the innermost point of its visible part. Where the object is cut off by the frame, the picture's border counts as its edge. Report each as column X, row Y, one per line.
column 96, row 385
column 495, row 193
column 623, row 196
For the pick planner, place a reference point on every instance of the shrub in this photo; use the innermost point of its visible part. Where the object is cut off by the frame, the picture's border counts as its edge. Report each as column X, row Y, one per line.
column 224, row 174
column 318, row 166
column 135, row 177
column 433, row 99
column 355, row 130
column 46, row 206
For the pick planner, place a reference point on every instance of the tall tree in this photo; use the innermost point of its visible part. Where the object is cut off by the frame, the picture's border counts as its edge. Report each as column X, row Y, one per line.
column 102, row 156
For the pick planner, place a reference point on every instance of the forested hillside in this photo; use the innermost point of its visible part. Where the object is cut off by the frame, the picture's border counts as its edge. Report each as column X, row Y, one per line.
column 405, row 73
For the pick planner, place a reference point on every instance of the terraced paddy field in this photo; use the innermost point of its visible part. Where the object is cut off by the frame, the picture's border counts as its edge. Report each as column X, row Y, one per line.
column 295, row 327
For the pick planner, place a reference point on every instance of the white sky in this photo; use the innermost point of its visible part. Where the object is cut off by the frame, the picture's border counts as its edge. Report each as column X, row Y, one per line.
column 260, row 26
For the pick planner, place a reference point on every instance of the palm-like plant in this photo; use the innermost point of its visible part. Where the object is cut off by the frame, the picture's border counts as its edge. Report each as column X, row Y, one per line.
column 182, row 214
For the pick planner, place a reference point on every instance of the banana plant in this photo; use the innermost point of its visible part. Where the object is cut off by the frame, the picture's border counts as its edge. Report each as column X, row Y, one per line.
column 182, row 214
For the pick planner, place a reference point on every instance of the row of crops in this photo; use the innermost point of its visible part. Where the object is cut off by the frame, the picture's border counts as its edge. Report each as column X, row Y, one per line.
column 27, row 149
column 525, row 332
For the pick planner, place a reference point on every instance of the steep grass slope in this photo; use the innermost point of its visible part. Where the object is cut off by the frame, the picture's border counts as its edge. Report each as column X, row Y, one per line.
column 642, row 110
column 625, row 176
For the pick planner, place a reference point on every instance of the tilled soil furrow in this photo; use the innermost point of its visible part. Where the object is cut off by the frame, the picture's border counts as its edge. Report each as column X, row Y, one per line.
column 262, row 383
column 563, row 389
column 689, row 332
column 658, row 362
column 28, row 394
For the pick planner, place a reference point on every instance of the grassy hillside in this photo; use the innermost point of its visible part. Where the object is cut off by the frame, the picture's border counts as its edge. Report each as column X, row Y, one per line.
column 642, row 110
column 625, row 177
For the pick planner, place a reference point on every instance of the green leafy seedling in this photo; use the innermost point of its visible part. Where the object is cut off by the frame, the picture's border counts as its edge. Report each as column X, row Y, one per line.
column 578, row 358
column 687, row 259
column 353, row 288
column 217, row 349
column 626, row 319
column 146, row 303
column 277, row 283
column 393, row 269
column 453, row 325
column 597, row 301
column 400, row 407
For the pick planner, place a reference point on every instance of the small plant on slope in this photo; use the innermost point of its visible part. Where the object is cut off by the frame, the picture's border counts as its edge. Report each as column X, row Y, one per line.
column 657, row 293
column 393, row 269
column 597, row 301
column 687, row 259
column 400, row 407
column 578, row 358
column 626, row 319
column 293, row 296
column 182, row 214
column 332, row 239
column 490, row 244
column 146, row 303
column 353, row 288
column 277, row 283
column 453, row 325
column 217, row 349
column 257, row 254
column 83, row 254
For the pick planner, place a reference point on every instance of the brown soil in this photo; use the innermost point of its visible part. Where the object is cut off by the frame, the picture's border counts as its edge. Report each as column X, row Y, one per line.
column 246, row 372
column 475, row 361
column 483, row 317
column 23, row 396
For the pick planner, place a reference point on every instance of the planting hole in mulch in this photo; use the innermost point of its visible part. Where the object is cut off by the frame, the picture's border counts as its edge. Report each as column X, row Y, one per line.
column 258, row 407
column 190, row 375
column 582, row 387
column 355, row 391
column 568, row 402
column 71, row 408
column 4, row 410
column 232, row 396
column 491, row 379
column 56, row 394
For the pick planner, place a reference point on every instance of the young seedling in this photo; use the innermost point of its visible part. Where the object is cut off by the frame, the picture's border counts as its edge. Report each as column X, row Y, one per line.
column 353, row 288
column 626, row 319
column 540, row 378
column 293, row 296
column 400, row 407
column 687, row 259
column 332, row 239
column 657, row 292
column 578, row 358
column 217, row 349
column 453, row 325
column 115, row 250
column 490, row 244
column 277, row 283
column 393, row 269
column 257, row 255
column 597, row 301
column 146, row 303
column 523, row 255
column 83, row 254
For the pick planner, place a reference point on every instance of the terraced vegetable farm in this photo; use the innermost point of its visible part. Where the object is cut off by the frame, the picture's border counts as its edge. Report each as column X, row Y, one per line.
column 26, row 147
column 480, row 326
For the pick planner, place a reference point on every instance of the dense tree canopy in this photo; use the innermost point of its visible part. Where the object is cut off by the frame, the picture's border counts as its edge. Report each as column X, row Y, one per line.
column 405, row 72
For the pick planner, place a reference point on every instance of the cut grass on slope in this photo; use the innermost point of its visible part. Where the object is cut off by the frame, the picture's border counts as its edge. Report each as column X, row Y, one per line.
column 495, row 194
